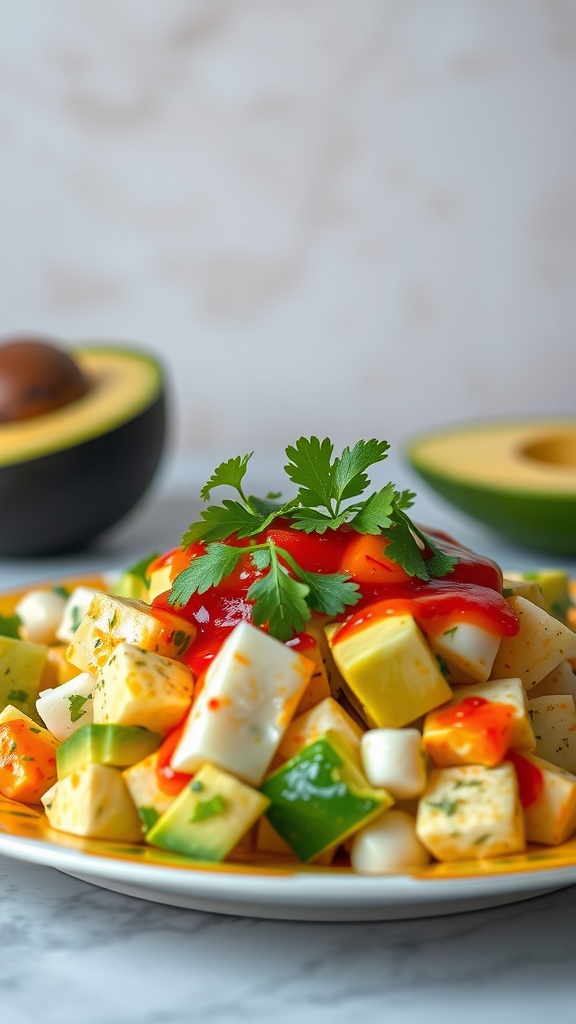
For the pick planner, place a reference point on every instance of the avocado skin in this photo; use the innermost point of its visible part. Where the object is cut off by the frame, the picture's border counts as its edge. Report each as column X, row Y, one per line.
column 543, row 522
column 61, row 502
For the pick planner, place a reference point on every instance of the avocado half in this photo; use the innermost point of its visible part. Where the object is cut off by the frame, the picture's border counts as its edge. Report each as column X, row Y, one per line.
column 518, row 477
column 68, row 475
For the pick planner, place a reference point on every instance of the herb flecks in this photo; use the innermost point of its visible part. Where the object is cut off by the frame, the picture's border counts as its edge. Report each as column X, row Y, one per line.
column 331, row 492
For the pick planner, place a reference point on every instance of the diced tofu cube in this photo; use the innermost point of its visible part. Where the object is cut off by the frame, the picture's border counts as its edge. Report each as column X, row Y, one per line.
column 479, row 724
column 390, row 668
column 540, row 645
column 548, row 797
column 209, row 817
column 561, row 679
column 467, row 650
column 554, row 721
column 470, row 812
column 250, row 693
column 137, row 687
column 306, row 728
column 388, row 844
column 111, row 620
column 67, row 707
column 93, row 802
column 394, row 759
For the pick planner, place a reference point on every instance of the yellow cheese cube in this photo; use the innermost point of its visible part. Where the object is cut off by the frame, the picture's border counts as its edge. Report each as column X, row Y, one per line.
column 93, row 801
column 315, row 723
column 391, row 670
column 137, row 687
column 550, row 802
column 111, row 620
column 471, row 811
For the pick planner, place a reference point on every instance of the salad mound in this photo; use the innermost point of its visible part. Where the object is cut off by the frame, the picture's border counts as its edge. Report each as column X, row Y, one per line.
column 317, row 680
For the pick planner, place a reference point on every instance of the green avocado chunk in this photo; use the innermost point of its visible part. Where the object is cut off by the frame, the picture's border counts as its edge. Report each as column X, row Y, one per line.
column 21, row 668
column 114, row 745
column 320, row 796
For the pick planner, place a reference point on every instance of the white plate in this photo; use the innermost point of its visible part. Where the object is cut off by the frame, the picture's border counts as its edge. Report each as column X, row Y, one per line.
column 285, row 893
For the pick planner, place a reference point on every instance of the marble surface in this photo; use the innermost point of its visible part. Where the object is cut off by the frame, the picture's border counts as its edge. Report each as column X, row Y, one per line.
column 358, row 215
column 73, row 952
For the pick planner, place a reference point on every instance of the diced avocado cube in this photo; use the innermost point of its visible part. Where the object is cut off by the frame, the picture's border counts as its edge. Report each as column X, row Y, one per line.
column 553, row 584
column 115, row 745
column 320, row 796
column 134, row 580
column 21, row 670
column 209, row 816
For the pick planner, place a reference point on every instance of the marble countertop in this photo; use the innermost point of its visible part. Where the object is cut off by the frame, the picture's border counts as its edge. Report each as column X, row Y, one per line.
column 77, row 953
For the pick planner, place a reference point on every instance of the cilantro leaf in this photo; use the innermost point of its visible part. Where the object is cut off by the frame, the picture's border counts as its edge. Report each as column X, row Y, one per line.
column 330, row 593
column 376, row 512
column 404, row 550
column 77, row 709
column 205, row 571
column 221, row 521
column 230, row 474
column 10, row 626
column 310, row 466
column 279, row 601
column 311, row 520
column 349, row 475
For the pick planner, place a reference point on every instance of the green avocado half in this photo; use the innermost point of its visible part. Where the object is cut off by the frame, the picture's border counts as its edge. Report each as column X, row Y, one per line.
column 68, row 475
column 518, row 477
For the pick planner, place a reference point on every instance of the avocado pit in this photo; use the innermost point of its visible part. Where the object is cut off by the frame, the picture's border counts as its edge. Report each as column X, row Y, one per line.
column 556, row 449
column 36, row 377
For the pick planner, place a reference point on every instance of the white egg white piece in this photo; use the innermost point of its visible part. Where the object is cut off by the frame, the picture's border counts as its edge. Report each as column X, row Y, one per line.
column 388, row 844
column 393, row 759
column 40, row 613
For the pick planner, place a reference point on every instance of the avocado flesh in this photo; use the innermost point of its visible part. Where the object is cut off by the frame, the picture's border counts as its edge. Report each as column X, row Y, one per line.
column 320, row 796
column 74, row 473
column 115, row 745
column 488, row 471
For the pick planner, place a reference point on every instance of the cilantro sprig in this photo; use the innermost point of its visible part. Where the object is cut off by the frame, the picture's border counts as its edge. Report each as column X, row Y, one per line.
column 331, row 492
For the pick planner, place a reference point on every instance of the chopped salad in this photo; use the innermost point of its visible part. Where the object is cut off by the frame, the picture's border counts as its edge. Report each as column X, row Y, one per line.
column 316, row 680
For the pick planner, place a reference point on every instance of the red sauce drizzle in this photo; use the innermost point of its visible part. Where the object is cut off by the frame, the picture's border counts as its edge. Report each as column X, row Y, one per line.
column 530, row 778
column 169, row 781
column 470, row 593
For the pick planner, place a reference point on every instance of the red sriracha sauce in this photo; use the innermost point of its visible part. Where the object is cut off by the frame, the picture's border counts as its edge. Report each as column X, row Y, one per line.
column 470, row 593
column 530, row 778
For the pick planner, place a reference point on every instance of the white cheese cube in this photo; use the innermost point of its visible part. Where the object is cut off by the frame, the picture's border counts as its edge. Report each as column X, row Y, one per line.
column 93, row 801
column 514, row 585
column 316, row 722
column 468, row 651
column 540, row 645
column 137, row 687
column 40, row 612
column 112, row 620
column 66, row 708
column 250, row 693
column 75, row 608
column 554, row 722
column 393, row 759
column 471, row 811
column 388, row 844
column 550, row 807
column 561, row 679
